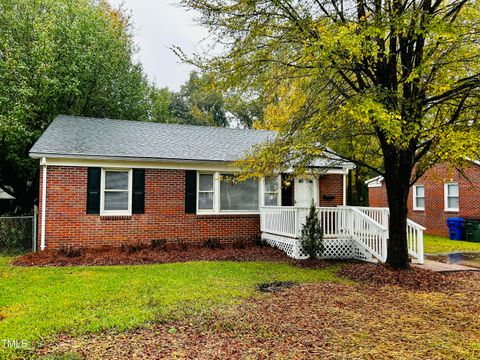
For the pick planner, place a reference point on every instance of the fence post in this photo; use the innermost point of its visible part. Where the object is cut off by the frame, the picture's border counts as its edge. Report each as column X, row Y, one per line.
column 34, row 230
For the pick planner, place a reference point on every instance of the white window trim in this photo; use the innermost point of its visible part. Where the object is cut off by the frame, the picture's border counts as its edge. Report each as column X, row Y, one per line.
column 415, row 197
column 104, row 212
column 446, row 196
column 216, row 196
column 279, row 191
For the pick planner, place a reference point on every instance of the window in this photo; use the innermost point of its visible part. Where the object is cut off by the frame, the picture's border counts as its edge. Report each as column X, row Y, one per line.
column 271, row 196
column 418, row 197
column 205, row 192
column 238, row 196
column 451, row 197
column 116, row 192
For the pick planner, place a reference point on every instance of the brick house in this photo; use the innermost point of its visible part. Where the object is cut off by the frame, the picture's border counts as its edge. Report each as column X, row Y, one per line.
column 441, row 193
column 105, row 182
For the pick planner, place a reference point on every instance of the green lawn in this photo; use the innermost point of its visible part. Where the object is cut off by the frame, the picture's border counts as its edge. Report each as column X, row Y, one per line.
column 438, row 244
column 38, row 303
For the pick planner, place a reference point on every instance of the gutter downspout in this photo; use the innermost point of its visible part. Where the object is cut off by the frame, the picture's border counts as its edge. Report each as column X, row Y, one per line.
column 44, row 201
column 345, row 188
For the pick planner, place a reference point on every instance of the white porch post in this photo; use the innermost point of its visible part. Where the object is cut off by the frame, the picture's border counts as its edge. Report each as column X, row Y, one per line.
column 44, row 201
column 345, row 188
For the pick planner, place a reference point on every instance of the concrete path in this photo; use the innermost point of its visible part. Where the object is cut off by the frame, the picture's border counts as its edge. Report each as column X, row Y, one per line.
column 442, row 267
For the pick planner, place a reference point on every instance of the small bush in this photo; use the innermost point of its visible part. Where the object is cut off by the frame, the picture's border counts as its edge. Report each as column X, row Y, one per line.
column 159, row 244
column 212, row 244
column 239, row 244
column 258, row 241
column 311, row 241
column 70, row 252
column 131, row 248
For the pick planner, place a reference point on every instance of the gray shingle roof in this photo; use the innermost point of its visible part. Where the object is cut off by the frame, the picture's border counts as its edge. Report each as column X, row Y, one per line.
column 87, row 137
column 74, row 136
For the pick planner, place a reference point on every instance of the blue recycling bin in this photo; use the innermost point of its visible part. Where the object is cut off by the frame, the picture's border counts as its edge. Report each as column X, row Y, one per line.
column 455, row 228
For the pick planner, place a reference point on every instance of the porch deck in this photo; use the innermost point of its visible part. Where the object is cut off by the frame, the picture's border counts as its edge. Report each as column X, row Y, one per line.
column 349, row 232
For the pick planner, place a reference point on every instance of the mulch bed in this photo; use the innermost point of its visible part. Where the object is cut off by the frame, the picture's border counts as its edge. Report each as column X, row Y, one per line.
column 149, row 255
column 413, row 278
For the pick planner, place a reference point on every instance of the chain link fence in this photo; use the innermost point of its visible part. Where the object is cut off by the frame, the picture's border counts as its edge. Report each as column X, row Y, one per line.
column 18, row 233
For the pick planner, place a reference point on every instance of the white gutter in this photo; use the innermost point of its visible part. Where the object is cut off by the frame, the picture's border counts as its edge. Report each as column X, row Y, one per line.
column 44, row 201
column 344, row 189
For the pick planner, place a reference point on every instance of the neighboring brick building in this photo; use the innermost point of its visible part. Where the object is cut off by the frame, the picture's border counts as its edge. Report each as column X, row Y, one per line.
column 441, row 193
column 110, row 182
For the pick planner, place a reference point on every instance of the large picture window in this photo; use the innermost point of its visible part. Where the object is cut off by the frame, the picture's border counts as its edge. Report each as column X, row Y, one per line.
column 116, row 192
column 451, row 197
column 238, row 196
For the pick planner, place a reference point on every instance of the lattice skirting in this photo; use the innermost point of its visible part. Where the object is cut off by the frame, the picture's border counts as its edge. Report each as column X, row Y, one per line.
column 335, row 248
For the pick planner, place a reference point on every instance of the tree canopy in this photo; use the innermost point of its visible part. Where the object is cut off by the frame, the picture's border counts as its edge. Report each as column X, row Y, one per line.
column 398, row 78
column 60, row 57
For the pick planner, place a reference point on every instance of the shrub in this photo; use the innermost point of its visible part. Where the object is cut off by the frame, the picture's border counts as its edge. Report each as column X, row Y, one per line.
column 159, row 244
column 258, row 241
column 70, row 251
column 311, row 241
column 131, row 247
column 239, row 244
column 212, row 244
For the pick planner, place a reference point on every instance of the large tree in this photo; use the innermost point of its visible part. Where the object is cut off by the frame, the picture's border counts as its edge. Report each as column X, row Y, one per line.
column 60, row 57
column 404, row 75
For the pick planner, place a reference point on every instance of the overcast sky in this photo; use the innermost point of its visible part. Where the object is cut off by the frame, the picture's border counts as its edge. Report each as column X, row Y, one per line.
column 159, row 24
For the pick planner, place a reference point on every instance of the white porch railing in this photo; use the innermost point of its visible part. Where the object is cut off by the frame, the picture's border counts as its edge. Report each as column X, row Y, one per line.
column 367, row 227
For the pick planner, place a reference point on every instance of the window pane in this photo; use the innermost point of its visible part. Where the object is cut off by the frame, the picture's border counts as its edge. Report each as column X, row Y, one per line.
column 271, row 184
column 271, row 199
column 420, row 191
column 239, row 196
column 116, row 200
column 420, row 203
column 453, row 202
column 205, row 200
column 452, row 189
column 206, row 182
column 116, row 180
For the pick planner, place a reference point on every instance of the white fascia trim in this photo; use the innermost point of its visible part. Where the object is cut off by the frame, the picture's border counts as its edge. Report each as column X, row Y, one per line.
column 375, row 182
column 43, row 163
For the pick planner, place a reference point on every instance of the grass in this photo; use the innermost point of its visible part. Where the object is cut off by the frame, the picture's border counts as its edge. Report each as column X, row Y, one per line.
column 38, row 303
column 438, row 244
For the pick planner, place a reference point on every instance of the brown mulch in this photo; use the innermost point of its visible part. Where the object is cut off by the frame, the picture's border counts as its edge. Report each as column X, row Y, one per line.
column 413, row 278
column 149, row 255
column 322, row 320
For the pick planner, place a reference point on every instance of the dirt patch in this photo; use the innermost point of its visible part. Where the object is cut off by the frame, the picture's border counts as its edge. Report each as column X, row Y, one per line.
column 275, row 286
column 321, row 320
column 412, row 279
column 150, row 255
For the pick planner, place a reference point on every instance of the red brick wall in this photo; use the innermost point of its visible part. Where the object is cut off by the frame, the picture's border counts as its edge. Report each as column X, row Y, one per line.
column 67, row 222
column 331, row 185
column 434, row 217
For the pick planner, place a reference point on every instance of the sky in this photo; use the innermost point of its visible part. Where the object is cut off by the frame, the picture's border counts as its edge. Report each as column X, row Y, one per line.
column 159, row 24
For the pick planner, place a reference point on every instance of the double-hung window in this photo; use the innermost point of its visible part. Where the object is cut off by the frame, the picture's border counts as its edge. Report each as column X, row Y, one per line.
column 115, row 197
column 418, row 197
column 451, row 197
column 206, row 194
column 271, row 191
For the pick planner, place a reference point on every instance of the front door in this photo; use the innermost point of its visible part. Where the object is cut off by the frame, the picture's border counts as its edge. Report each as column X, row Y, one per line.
column 305, row 191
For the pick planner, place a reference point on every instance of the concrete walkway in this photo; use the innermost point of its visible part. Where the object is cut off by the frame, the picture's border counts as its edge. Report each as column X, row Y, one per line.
column 442, row 267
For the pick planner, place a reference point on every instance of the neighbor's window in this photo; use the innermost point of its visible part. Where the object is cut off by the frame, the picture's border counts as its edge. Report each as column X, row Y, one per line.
column 418, row 197
column 205, row 192
column 451, row 197
column 271, row 195
column 238, row 196
column 116, row 190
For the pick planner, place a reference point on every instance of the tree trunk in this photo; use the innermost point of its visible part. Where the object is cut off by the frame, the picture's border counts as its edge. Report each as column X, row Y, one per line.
column 397, row 180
